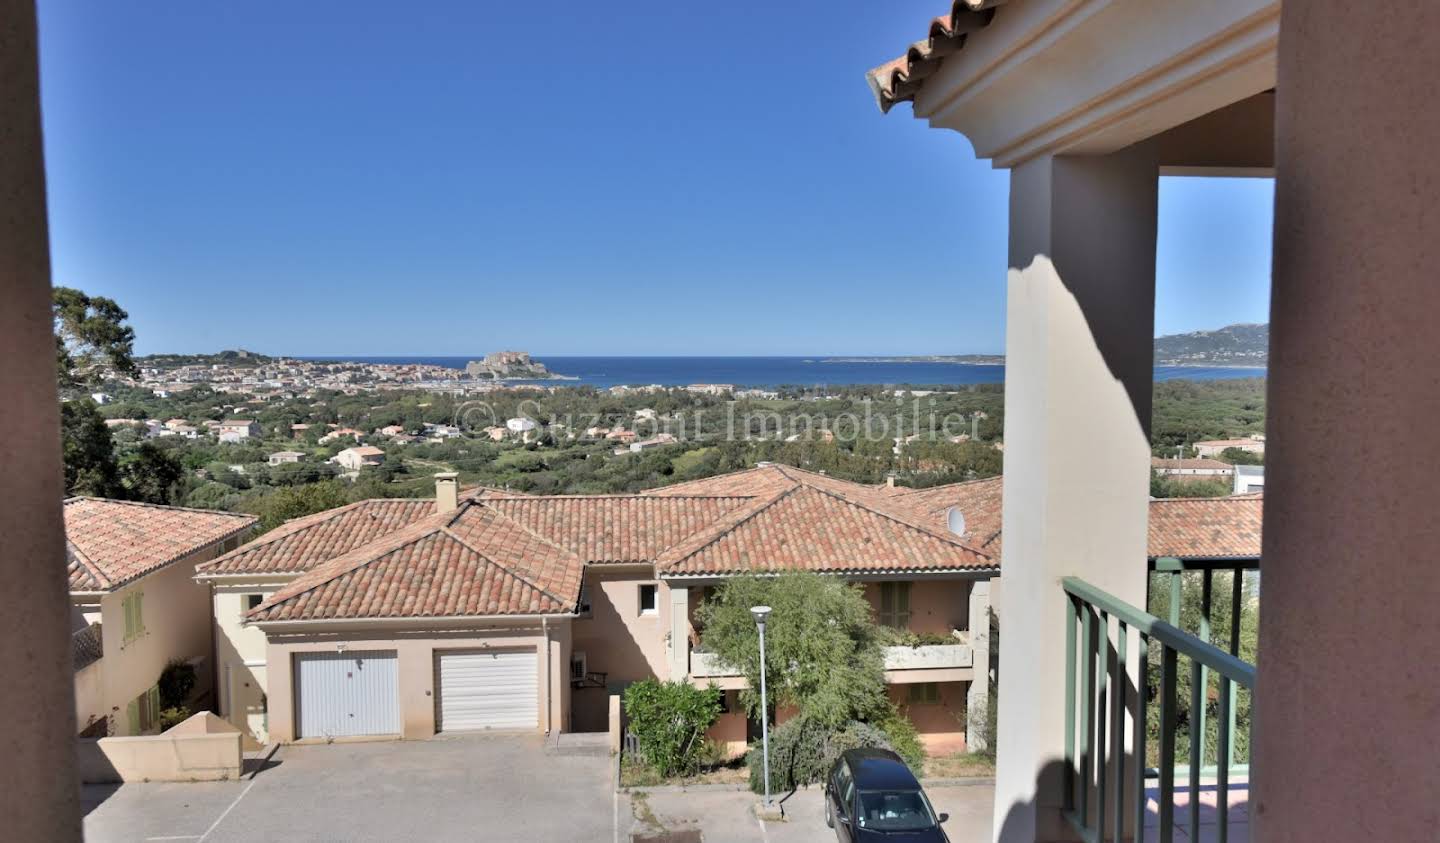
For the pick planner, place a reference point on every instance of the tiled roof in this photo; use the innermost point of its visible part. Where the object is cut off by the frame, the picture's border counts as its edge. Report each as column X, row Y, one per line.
column 979, row 501
column 616, row 528
column 302, row 543
column 900, row 79
column 1206, row 528
column 466, row 563
column 87, row 646
column 110, row 543
column 811, row 528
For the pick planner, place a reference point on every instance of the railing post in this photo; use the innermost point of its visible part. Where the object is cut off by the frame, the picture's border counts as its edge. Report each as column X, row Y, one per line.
column 1087, row 716
column 1122, row 633
column 1225, row 741
column 1070, row 656
column 1167, row 745
column 1141, row 713
column 1237, row 605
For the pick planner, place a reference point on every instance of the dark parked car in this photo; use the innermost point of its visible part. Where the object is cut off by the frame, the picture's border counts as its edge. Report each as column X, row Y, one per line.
column 871, row 795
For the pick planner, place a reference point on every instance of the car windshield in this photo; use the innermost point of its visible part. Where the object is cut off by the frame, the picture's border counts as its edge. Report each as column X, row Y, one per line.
column 895, row 810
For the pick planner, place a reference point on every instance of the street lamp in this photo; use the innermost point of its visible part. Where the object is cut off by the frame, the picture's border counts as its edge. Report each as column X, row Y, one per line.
column 761, row 613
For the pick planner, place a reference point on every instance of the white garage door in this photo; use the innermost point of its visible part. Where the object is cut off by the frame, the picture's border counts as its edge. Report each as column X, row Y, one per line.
column 487, row 690
column 349, row 693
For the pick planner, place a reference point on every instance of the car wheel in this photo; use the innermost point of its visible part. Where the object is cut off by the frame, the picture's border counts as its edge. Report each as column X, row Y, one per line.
column 829, row 816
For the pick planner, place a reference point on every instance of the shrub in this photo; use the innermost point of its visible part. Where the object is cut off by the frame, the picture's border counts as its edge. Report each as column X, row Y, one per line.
column 802, row 750
column 176, row 682
column 173, row 716
column 669, row 720
column 901, row 735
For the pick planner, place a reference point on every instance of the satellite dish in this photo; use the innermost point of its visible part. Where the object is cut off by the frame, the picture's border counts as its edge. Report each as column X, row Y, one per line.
column 955, row 520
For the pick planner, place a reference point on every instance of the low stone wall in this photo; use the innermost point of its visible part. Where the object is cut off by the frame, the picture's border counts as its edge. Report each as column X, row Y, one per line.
column 203, row 748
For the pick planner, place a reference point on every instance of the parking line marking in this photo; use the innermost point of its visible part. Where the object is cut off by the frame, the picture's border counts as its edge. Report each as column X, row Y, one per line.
column 227, row 811
column 763, row 836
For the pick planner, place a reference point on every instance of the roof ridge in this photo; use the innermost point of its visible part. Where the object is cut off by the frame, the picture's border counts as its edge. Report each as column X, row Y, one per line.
column 505, row 569
column 89, row 565
column 221, row 512
column 906, row 522
column 727, row 522
column 297, row 524
column 344, row 564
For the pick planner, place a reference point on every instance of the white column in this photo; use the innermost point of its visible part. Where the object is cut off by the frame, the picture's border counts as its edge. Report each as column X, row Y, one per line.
column 679, row 633
column 1079, row 333
column 978, row 699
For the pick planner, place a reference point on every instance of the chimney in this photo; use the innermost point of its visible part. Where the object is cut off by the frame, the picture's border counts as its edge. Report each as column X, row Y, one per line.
column 447, row 491
column 890, row 480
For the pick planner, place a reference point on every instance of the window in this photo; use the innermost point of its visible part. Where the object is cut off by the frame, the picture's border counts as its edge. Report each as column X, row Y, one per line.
column 925, row 693
column 577, row 666
column 144, row 711
column 724, row 702
column 253, row 600
column 134, row 615
column 585, row 610
column 649, row 600
column 895, row 604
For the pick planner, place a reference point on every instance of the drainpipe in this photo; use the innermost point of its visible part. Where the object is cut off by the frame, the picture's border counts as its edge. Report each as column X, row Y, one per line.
column 549, row 703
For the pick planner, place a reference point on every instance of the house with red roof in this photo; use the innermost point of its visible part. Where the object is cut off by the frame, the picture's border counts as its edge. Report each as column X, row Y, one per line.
column 135, row 607
column 487, row 609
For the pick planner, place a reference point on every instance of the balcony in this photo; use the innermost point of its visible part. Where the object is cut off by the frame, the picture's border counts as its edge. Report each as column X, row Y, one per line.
column 928, row 657
column 706, row 665
column 903, row 664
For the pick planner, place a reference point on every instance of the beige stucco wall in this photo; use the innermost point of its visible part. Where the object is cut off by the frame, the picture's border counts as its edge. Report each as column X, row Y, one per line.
column 415, row 650
column 617, row 640
column 203, row 748
column 176, row 616
column 941, row 726
column 936, row 606
column 240, row 655
column 90, row 695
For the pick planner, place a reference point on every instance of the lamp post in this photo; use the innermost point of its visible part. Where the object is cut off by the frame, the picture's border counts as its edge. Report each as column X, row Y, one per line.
column 761, row 613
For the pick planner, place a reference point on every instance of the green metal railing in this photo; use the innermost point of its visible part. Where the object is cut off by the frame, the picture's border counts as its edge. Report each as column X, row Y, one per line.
column 1098, row 695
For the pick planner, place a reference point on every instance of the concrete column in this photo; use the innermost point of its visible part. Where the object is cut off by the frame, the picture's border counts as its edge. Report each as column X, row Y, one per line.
column 977, row 701
column 38, row 731
column 1079, row 334
column 679, row 653
column 1351, row 457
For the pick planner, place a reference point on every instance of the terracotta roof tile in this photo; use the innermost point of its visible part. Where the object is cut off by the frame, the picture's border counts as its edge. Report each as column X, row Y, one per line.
column 1206, row 528
column 979, row 501
column 816, row 529
column 900, row 79
column 302, row 543
column 110, row 543
column 617, row 528
column 466, row 563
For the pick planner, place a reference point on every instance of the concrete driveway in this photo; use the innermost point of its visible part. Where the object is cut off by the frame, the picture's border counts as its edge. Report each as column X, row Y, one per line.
column 484, row 787
column 724, row 816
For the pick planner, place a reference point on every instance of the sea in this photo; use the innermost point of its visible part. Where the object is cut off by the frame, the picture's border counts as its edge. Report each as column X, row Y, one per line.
column 767, row 372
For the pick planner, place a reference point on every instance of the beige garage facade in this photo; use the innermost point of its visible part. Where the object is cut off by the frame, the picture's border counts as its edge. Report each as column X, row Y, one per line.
column 446, row 677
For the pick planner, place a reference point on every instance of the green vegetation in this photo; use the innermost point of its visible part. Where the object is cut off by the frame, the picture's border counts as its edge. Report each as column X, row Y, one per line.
column 1190, row 411
column 668, row 720
column 823, row 659
column 1190, row 614
column 822, row 646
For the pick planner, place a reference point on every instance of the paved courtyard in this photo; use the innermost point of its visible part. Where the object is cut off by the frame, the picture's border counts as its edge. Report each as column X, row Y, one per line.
column 463, row 788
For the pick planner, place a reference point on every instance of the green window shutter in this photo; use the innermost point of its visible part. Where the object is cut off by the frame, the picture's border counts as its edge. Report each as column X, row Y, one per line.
column 139, row 612
column 133, row 711
column 902, row 604
column 887, row 604
column 129, row 605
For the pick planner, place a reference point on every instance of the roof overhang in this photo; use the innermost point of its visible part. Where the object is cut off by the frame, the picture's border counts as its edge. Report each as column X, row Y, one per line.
column 702, row 579
column 467, row 622
column 1094, row 76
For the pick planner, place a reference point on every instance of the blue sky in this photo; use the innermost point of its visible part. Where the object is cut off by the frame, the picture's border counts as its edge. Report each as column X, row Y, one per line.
column 357, row 177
